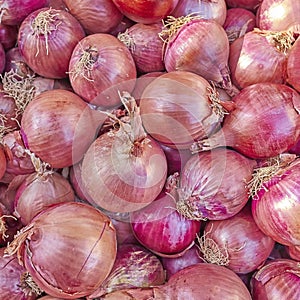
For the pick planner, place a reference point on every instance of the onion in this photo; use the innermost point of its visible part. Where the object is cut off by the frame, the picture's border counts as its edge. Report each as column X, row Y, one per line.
column 134, row 267
column 8, row 36
column 207, row 9
column 259, row 56
column 89, row 12
column 276, row 199
column 180, row 107
column 264, row 123
column 279, row 15
column 15, row 282
column 294, row 252
column 39, row 191
column 14, row 12
column 247, row 4
column 145, row 45
column 146, row 11
column 213, row 186
column 236, row 243
column 101, row 66
column 58, row 126
column 46, row 40
column 57, row 4
column 278, row 279
column 2, row 58
column 238, row 22
column 122, row 26
column 3, row 162
column 293, row 65
column 124, row 170
column 174, row 264
column 200, row 46
column 69, row 249
column 124, row 232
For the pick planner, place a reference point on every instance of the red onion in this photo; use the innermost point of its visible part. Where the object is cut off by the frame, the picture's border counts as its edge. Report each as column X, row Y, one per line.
column 293, row 65
column 279, row 251
column 9, row 227
column 174, row 264
column 89, row 12
column 39, row 191
column 58, row 126
column 259, row 56
column 278, row 279
column 180, row 107
column 276, row 199
column 238, row 22
column 15, row 282
column 294, row 252
column 57, row 4
column 2, row 58
column 124, row 169
column 207, row 9
column 146, row 11
column 14, row 12
column 69, row 249
column 8, row 36
column 134, row 267
column 247, row 4
column 145, row 45
column 124, row 232
column 160, row 228
column 236, row 243
column 46, row 40
column 200, row 46
column 213, row 186
column 264, row 123
column 101, row 66
column 2, row 162
column 122, row 26
column 279, row 15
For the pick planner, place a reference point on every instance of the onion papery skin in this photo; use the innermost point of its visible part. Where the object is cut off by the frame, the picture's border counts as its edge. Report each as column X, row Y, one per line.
column 58, row 126
column 14, row 12
column 279, row 15
column 247, row 4
column 112, row 69
column 11, row 273
column 238, row 22
column 293, row 65
column 264, row 124
column 89, row 12
column 203, row 281
column 118, row 180
column 8, row 36
column 239, row 240
column 3, row 162
column 254, row 58
column 145, row 45
column 70, row 249
column 146, row 11
column 294, row 252
column 278, row 279
column 276, row 206
column 202, row 47
column 212, row 184
column 38, row 192
column 48, row 54
column 134, row 267
column 176, row 109
column 211, row 10
column 161, row 229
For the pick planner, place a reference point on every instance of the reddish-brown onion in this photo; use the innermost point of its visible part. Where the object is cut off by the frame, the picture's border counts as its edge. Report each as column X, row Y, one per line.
column 8, row 36
column 264, row 123
column 212, row 184
column 200, row 46
column 58, row 126
column 69, row 249
column 145, row 46
column 3, row 163
column 278, row 279
column 258, row 57
column 46, row 40
column 90, row 12
column 39, row 191
column 276, row 202
column 207, row 9
column 2, row 58
column 146, row 11
column 236, row 243
column 247, row 4
column 293, row 65
column 100, row 67
column 279, row 15
column 176, row 109
column 122, row 26
column 238, row 22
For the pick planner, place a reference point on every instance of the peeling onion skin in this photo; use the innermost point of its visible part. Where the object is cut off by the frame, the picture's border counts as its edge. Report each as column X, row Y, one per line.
column 71, row 249
column 49, row 54
column 278, row 279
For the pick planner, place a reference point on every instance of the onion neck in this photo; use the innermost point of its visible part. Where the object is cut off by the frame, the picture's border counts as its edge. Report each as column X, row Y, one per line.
column 28, row 285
